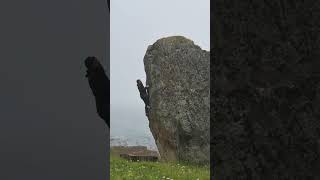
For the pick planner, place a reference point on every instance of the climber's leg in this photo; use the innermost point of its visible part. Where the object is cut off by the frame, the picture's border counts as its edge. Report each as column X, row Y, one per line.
column 147, row 108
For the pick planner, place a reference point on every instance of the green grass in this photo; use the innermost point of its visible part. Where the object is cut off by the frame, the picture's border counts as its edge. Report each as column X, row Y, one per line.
column 121, row 169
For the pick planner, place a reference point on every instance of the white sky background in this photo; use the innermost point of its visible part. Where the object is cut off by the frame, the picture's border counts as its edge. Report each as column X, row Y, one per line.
column 136, row 24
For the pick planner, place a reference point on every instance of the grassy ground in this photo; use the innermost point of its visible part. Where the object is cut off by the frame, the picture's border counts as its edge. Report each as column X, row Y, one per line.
column 122, row 169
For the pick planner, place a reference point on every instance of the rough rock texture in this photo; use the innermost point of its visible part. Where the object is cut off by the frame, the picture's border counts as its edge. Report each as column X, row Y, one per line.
column 265, row 90
column 178, row 77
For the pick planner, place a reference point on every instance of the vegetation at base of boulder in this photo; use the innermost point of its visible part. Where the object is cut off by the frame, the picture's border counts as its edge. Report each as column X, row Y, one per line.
column 121, row 169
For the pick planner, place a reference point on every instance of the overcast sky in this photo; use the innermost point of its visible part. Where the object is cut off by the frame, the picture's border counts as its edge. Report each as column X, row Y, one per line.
column 134, row 26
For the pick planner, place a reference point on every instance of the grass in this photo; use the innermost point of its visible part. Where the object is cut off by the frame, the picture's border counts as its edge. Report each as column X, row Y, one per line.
column 121, row 169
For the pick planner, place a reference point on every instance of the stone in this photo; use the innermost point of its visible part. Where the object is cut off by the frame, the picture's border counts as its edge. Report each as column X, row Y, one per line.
column 177, row 73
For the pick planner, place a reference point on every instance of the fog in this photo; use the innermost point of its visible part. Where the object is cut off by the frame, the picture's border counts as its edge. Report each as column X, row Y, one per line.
column 134, row 26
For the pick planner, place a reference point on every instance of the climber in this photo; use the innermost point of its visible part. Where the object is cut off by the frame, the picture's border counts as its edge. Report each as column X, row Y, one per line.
column 100, row 86
column 144, row 94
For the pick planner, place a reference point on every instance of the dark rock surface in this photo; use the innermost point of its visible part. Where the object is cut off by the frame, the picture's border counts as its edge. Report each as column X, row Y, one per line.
column 177, row 73
column 265, row 103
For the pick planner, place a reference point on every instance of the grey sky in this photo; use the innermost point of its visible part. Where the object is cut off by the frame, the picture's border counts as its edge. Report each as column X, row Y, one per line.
column 49, row 128
column 135, row 24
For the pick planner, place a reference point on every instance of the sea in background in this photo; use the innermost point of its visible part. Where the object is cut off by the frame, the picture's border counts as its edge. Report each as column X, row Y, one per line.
column 130, row 127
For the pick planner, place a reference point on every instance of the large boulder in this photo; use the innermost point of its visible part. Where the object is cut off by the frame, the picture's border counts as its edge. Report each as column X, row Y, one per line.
column 178, row 77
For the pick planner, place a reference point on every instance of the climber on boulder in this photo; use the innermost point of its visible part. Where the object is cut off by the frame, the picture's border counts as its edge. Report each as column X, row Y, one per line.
column 144, row 94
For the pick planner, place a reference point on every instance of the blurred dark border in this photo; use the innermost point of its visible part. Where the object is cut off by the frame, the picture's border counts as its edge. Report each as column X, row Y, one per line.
column 265, row 90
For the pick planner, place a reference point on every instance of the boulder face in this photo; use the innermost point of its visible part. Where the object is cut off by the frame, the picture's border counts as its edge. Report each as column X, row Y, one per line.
column 178, row 77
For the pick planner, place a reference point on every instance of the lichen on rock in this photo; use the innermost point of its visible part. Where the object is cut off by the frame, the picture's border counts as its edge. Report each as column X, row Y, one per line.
column 178, row 77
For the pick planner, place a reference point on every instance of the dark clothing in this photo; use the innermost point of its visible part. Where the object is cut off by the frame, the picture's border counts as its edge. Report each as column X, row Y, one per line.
column 100, row 86
column 144, row 94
